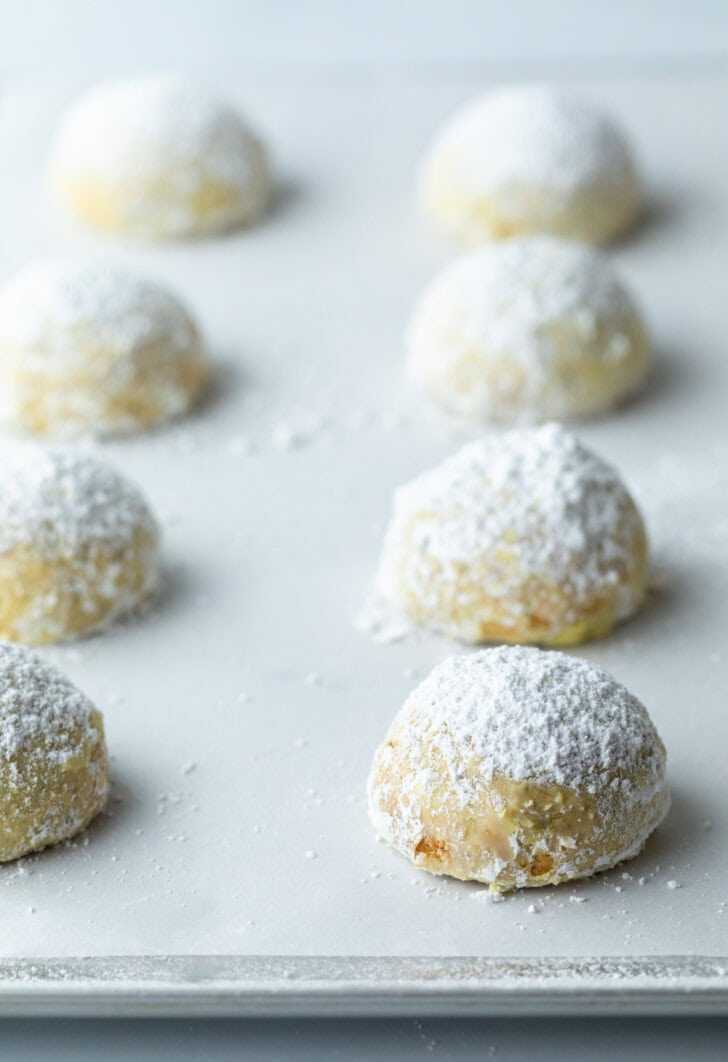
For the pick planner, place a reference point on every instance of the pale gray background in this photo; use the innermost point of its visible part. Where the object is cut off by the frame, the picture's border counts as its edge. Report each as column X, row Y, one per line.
column 271, row 39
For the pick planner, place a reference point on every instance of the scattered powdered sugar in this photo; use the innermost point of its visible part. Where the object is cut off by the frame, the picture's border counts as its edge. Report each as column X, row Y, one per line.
column 382, row 621
column 539, row 493
column 287, row 437
column 59, row 499
column 535, row 135
column 486, row 896
column 527, row 714
column 293, row 430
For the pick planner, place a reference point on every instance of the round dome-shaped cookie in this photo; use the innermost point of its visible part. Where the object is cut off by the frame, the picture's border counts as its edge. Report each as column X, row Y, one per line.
column 53, row 762
column 159, row 157
column 78, row 544
column 534, row 328
column 88, row 348
column 521, row 537
column 519, row 767
column 530, row 159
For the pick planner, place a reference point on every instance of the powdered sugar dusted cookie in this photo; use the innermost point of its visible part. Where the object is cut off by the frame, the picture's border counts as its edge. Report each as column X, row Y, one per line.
column 519, row 767
column 529, row 159
column 159, row 156
column 534, row 328
column 53, row 762
column 521, row 537
column 89, row 348
column 79, row 546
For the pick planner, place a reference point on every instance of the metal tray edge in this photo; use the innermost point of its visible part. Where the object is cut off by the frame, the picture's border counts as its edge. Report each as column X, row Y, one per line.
column 296, row 986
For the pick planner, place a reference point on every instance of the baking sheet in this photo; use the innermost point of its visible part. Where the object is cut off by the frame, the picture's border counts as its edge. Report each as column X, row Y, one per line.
column 243, row 711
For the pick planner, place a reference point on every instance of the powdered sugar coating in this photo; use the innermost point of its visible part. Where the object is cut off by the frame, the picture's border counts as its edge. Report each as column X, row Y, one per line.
column 528, row 714
column 516, row 537
column 88, row 346
column 121, row 308
column 519, row 767
column 78, row 544
column 530, row 158
column 59, row 500
column 174, row 158
column 533, row 328
column 37, row 701
column 53, row 764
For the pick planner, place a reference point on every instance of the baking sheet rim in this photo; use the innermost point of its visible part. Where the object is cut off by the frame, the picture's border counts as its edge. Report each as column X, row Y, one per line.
column 296, row 986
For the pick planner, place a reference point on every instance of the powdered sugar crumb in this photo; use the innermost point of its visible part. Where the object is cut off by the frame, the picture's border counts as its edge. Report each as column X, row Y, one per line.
column 382, row 621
